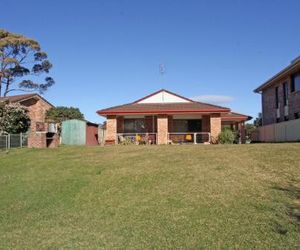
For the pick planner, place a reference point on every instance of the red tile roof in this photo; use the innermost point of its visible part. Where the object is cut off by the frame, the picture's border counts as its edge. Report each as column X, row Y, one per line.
column 162, row 108
column 232, row 116
column 172, row 108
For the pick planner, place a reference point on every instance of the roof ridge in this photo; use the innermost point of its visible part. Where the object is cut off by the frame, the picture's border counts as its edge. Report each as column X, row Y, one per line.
column 165, row 90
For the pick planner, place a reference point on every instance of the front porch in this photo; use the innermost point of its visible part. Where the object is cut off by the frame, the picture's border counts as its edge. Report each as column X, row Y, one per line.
column 169, row 129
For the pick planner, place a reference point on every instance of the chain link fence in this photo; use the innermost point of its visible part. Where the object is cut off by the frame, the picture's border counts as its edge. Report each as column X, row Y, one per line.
column 8, row 141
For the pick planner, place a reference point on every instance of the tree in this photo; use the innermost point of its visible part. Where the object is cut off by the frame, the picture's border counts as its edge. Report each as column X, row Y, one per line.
column 13, row 118
column 22, row 61
column 250, row 128
column 258, row 121
column 60, row 114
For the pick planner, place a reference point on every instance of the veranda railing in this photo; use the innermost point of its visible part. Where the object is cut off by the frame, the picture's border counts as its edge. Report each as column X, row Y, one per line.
column 137, row 138
column 189, row 137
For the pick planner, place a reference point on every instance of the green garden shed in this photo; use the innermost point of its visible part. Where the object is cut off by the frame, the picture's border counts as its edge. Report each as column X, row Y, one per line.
column 79, row 132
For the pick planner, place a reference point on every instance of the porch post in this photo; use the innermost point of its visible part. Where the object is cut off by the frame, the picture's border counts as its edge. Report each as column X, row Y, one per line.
column 162, row 129
column 215, row 127
column 120, row 124
column 170, row 123
column 111, row 130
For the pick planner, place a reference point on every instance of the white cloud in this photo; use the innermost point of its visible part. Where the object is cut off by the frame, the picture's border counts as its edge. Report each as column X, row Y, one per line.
column 213, row 99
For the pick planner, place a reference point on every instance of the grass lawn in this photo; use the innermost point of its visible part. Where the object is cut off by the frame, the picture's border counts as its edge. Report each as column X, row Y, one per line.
column 239, row 196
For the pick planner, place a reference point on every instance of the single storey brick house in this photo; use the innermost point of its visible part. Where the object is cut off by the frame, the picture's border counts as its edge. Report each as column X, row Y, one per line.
column 281, row 95
column 37, row 107
column 165, row 117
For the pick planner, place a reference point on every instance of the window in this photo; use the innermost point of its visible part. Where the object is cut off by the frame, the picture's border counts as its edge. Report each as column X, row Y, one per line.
column 181, row 126
column 285, row 94
column 134, row 126
column 295, row 84
column 276, row 98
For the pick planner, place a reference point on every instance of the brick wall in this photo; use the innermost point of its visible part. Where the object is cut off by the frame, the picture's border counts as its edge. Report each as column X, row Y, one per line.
column 269, row 102
column 37, row 112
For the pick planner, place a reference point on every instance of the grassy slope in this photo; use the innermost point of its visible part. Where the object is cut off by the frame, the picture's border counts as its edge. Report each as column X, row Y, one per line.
column 239, row 196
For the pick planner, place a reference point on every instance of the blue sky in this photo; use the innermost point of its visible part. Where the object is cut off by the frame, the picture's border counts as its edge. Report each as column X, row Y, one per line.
column 108, row 52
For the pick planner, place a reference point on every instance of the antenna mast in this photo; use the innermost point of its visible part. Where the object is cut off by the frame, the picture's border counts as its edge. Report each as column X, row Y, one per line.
column 162, row 71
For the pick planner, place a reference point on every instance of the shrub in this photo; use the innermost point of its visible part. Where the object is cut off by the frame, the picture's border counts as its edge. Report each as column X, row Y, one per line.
column 13, row 118
column 226, row 137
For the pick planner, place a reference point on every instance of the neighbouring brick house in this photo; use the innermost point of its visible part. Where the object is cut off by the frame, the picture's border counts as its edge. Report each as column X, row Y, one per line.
column 281, row 95
column 37, row 107
column 165, row 117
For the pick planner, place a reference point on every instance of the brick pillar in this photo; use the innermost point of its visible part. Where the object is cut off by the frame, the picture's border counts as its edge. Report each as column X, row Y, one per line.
column 120, row 124
column 215, row 127
column 162, row 129
column 111, row 130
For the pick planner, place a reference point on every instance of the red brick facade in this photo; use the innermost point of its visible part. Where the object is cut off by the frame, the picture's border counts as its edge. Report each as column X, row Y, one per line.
column 37, row 112
column 269, row 103
column 270, row 113
column 37, row 108
column 161, row 116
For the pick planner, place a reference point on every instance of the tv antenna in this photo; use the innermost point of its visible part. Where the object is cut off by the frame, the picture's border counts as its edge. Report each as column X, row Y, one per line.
column 162, row 71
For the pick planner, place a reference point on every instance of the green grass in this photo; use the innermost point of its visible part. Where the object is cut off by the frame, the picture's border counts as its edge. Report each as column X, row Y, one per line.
column 158, row 197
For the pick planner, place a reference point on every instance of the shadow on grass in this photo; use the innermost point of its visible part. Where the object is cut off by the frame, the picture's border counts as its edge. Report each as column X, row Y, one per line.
column 292, row 206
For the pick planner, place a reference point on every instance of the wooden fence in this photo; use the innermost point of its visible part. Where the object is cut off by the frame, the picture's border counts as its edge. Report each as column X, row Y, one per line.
column 279, row 132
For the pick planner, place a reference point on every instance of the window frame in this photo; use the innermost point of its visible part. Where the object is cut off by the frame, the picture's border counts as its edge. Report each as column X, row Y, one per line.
column 137, row 128
column 277, row 97
column 285, row 87
column 294, row 87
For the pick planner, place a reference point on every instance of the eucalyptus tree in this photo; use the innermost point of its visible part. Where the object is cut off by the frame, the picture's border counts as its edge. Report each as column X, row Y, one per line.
column 22, row 62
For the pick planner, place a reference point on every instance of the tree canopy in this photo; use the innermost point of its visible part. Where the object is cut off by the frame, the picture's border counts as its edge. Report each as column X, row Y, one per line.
column 60, row 114
column 13, row 118
column 22, row 61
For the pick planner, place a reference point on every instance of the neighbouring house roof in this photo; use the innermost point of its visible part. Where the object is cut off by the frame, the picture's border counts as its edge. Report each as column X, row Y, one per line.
column 144, row 106
column 232, row 116
column 291, row 69
column 24, row 97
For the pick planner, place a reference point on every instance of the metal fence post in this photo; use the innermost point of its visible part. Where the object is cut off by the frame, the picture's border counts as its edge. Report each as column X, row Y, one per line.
column 8, row 141
column 21, row 140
